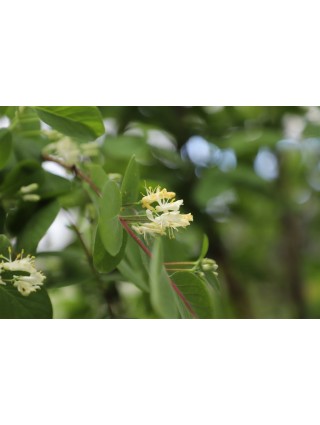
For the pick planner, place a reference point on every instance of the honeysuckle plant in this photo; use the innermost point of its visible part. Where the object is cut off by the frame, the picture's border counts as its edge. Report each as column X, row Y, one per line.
column 121, row 225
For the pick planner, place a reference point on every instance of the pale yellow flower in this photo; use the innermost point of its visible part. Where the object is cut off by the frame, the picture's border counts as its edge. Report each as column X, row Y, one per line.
column 28, row 284
column 170, row 220
column 151, row 229
column 165, row 206
column 163, row 217
column 155, row 195
column 65, row 149
column 25, row 284
column 26, row 264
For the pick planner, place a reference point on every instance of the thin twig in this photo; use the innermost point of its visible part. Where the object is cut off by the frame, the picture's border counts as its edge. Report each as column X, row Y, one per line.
column 75, row 170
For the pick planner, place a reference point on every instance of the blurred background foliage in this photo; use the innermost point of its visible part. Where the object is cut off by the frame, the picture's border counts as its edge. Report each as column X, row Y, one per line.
column 251, row 178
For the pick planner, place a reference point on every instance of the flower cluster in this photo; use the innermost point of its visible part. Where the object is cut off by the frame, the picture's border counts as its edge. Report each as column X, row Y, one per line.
column 27, row 278
column 164, row 217
column 70, row 152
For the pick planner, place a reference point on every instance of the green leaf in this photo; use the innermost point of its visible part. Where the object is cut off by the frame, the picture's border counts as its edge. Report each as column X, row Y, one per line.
column 28, row 123
column 135, row 266
column 13, row 305
column 83, row 122
column 130, row 183
column 204, row 248
column 20, row 175
column 212, row 280
column 109, row 225
column 3, row 216
column 196, row 293
column 4, row 245
column 64, row 268
column 98, row 175
column 161, row 293
column 111, row 233
column 5, row 146
column 51, row 186
column 123, row 147
column 30, row 171
column 28, row 148
column 102, row 260
column 37, row 226
column 110, row 202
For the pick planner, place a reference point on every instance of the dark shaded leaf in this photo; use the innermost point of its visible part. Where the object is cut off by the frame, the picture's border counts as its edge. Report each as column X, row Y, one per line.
column 4, row 245
column 5, row 146
column 13, row 305
column 37, row 226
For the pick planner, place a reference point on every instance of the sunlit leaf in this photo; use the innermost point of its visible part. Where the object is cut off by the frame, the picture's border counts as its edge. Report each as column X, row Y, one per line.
column 83, row 122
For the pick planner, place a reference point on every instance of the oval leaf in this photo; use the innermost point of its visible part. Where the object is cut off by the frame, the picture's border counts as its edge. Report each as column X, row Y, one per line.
column 197, row 294
column 110, row 202
column 102, row 260
column 111, row 233
column 83, row 122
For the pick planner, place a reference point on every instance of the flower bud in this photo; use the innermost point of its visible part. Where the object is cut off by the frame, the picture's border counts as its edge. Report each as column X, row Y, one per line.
column 207, row 264
column 30, row 188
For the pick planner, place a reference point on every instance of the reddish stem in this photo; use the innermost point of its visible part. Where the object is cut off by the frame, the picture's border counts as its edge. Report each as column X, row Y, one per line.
column 134, row 236
column 74, row 169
